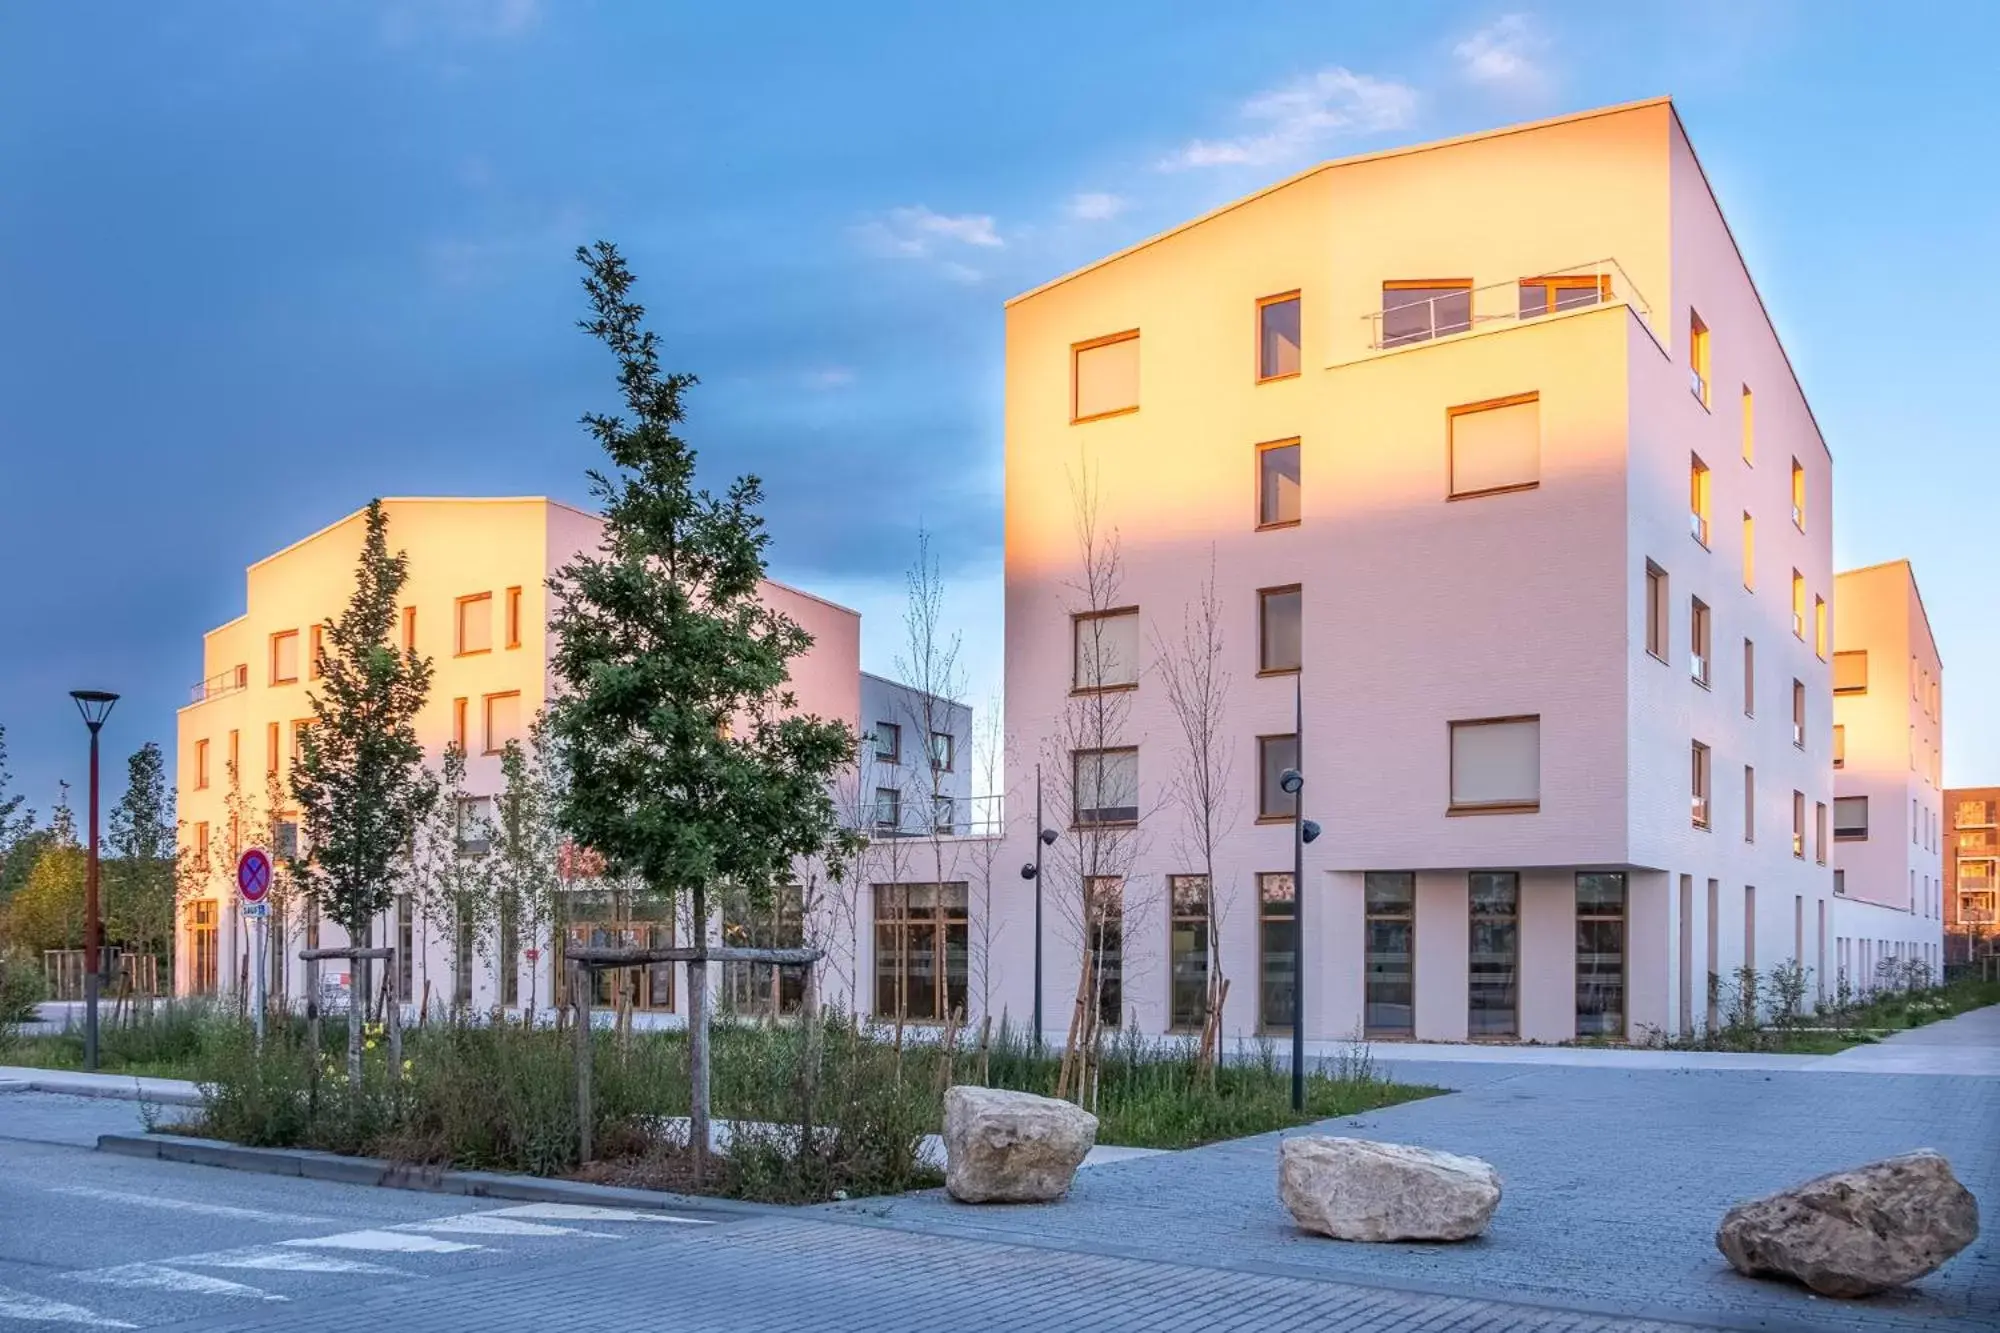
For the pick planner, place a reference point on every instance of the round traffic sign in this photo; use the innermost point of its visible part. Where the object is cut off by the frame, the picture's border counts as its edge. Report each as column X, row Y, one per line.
column 253, row 875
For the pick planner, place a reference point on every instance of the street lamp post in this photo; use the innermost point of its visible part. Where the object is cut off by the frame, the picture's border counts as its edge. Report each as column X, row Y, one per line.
column 1033, row 870
column 1292, row 782
column 95, row 705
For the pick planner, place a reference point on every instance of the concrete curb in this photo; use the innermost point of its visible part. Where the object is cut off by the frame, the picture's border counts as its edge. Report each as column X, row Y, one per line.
column 375, row 1171
column 165, row 1092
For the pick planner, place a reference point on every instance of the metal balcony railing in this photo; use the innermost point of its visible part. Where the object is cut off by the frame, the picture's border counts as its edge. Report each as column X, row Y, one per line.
column 952, row 816
column 1401, row 323
column 223, row 682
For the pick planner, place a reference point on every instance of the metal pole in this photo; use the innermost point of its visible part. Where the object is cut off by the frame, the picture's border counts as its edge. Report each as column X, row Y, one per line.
column 1039, row 849
column 1299, row 905
column 261, row 934
column 91, row 936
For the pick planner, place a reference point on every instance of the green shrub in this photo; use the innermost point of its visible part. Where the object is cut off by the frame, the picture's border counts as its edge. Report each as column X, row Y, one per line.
column 21, row 989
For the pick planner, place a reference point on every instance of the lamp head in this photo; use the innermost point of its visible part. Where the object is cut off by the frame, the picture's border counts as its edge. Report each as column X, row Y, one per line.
column 1290, row 781
column 95, row 705
column 1048, row 837
column 1029, row 870
column 1308, row 831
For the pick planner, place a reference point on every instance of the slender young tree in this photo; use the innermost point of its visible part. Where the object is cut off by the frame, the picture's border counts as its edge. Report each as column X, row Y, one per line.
column 456, row 881
column 528, row 852
column 360, row 781
column 687, row 766
column 139, row 877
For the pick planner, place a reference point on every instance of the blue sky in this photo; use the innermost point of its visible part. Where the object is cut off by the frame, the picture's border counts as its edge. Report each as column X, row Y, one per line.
column 260, row 261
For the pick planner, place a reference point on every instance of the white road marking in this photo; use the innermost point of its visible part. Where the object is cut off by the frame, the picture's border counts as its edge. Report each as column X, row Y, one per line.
column 20, row 1305
column 577, row 1212
column 389, row 1242
column 492, row 1224
column 159, row 1277
column 184, row 1205
column 272, row 1260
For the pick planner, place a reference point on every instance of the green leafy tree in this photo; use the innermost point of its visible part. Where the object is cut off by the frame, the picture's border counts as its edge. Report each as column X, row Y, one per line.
column 47, row 913
column 687, row 767
column 15, row 822
column 139, row 874
column 360, row 781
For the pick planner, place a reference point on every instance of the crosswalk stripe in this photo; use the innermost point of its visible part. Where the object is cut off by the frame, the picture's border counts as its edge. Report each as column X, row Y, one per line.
column 20, row 1305
column 388, row 1242
column 159, row 1277
column 492, row 1224
column 269, row 1259
column 185, row 1205
column 578, row 1212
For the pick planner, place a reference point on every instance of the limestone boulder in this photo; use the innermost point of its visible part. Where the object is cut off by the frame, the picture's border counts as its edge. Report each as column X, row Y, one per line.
column 1012, row 1147
column 1356, row 1189
column 1855, row 1232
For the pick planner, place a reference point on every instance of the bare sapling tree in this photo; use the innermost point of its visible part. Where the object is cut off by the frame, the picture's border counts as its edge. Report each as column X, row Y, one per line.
column 457, row 880
column 1196, row 683
column 528, row 858
column 990, row 804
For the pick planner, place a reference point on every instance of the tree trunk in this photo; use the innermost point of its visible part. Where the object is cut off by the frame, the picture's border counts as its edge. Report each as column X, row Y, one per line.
column 697, row 971
column 357, row 1013
column 395, row 1017
column 580, row 986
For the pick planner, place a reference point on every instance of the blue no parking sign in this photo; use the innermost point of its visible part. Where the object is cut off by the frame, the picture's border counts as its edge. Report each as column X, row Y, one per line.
column 253, row 875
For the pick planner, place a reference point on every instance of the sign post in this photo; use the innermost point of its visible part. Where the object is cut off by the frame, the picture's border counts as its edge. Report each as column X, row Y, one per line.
column 253, row 881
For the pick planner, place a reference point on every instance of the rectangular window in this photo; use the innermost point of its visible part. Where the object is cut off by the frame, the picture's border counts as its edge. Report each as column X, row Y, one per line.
column 1495, row 445
column 1819, row 832
column 1798, row 605
column 513, row 617
column 1278, row 629
column 1819, row 626
column 1750, row 925
column 202, row 951
column 1105, row 377
column 201, row 765
column 1278, row 484
column 759, row 990
column 235, row 753
column 1414, row 312
column 944, row 817
column 1749, row 426
column 1275, row 754
column 315, row 649
column 1698, row 642
column 1749, row 552
column 1657, row 614
column 285, row 839
column 1278, row 337
column 1699, row 799
column 1277, row 950
column 475, row 624
column 1390, row 902
column 461, row 726
column 1493, row 992
column 888, row 743
column 1798, row 496
column 475, row 825
column 1850, row 672
column 1698, row 357
column 1600, row 954
column 1187, row 951
column 1749, row 679
column 409, row 629
column 284, row 657
column 201, row 845
column 1799, row 714
column 1749, row 804
column 1850, row 819
column 942, row 751
column 503, row 720
column 888, row 809
column 1496, row 765
column 922, row 945
column 1799, row 825
column 299, row 729
column 1104, row 903
column 271, row 743
column 1107, row 786
column 1545, row 296
column 1698, row 498
column 1105, row 650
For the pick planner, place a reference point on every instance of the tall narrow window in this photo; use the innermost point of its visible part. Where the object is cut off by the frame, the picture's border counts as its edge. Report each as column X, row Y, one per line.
column 459, row 725
column 1107, row 787
column 1819, row 832
column 888, row 743
column 1657, row 614
column 1492, row 989
column 1496, row 765
column 1698, row 357
column 1749, row 679
column 1279, row 631
column 272, row 740
column 475, row 624
column 314, row 649
column 888, row 809
column 1749, row 804
column 1275, row 754
column 1799, row 825
column 1277, row 950
column 1798, row 605
column 1187, row 947
column 1819, row 626
column 1750, row 926
column 284, row 657
column 1417, row 311
column 200, row 765
column 409, row 629
column 235, row 754
column 201, row 846
column 1699, row 798
column 1850, row 672
column 1698, row 658
column 1839, row 746
column 1799, row 714
column 1749, row 426
column 1105, row 648
column 1495, row 445
column 1600, row 953
column 1278, row 484
column 1278, row 337
column 1104, row 902
column 1698, row 498
column 1390, row 900
column 1798, row 496
column 1749, row 551
column 1105, row 377
column 513, row 617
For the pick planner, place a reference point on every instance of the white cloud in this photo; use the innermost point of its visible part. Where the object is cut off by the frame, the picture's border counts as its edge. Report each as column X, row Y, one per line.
column 831, row 377
column 1094, row 206
column 921, row 233
column 1293, row 120
column 1503, row 54
column 406, row 25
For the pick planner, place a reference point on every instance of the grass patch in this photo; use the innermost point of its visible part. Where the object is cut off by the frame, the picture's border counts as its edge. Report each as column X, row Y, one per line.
column 1764, row 1012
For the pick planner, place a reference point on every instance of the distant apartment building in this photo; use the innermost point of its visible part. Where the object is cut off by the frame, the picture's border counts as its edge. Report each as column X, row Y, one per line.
column 1889, row 807
column 910, row 785
column 1494, row 455
column 476, row 603
column 1971, row 885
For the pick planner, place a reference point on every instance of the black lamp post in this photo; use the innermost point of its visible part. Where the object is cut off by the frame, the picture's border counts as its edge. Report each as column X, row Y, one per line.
column 95, row 705
column 1033, row 871
column 1292, row 782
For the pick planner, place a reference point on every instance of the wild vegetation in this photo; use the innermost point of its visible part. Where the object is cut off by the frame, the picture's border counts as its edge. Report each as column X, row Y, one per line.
column 1773, row 1011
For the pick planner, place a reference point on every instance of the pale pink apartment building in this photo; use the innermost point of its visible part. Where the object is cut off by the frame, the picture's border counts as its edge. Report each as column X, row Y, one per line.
column 1889, row 813
column 1499, row 459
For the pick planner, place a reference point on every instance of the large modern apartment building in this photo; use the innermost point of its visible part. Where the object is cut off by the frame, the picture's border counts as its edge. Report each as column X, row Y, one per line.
column 1889, row 816
column 1492, row 453
column 1972, row 882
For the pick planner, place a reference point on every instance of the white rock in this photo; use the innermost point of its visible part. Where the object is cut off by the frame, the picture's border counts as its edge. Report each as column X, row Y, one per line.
column 1012, row 1147
column 1355, row 1189
column 1855, row 1232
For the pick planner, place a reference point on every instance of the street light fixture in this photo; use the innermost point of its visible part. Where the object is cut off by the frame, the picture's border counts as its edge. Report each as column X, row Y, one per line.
column 1033, row 871
column 1292, row 782
column 95, row 705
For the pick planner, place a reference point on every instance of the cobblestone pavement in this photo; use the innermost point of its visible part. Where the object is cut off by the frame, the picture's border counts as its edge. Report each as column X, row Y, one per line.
column 1614, row 1180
